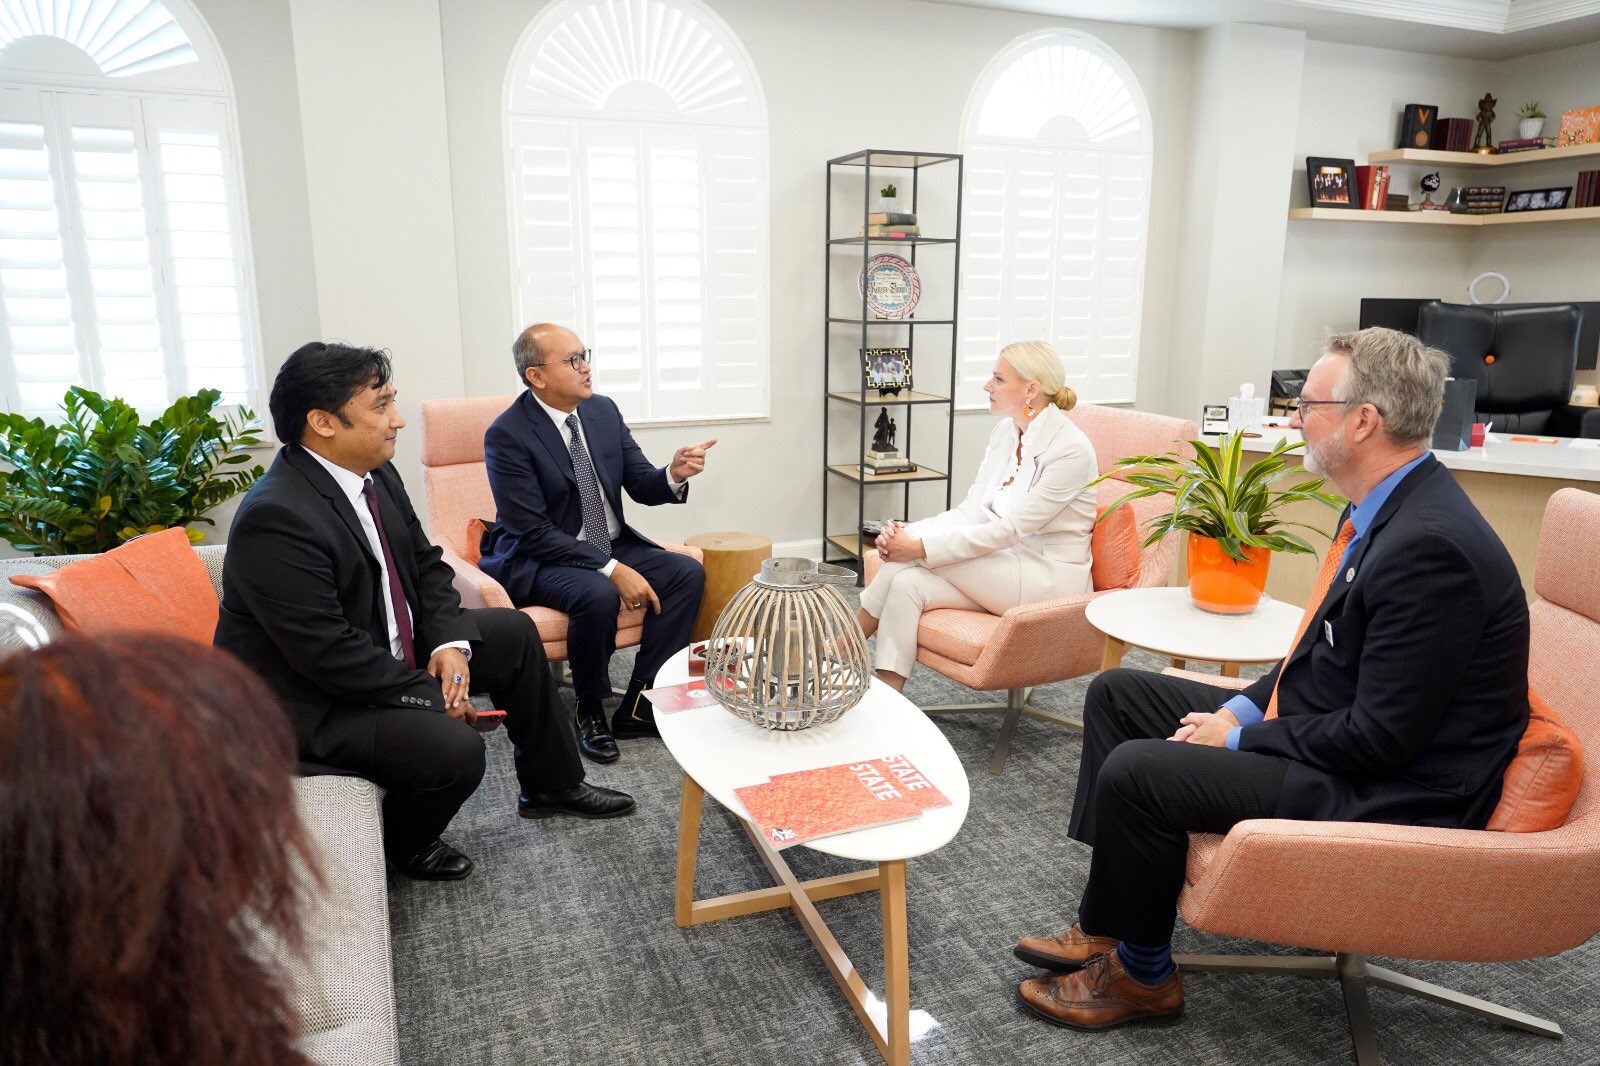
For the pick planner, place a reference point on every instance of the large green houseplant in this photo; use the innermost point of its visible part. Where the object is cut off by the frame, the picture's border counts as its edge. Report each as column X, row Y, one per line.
column 1230, row 512
column 103, row 476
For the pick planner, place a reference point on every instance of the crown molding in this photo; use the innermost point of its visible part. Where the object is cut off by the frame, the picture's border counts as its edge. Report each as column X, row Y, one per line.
column 1536, row 14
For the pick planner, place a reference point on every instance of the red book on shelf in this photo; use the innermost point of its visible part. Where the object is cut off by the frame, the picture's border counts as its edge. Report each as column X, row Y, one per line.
column 799, row 807
column 1365, row 177
column 1380, row 195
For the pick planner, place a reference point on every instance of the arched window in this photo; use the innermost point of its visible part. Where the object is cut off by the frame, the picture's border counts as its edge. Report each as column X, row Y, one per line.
column 1057, row 143
column 124, row 265
column 636, row 154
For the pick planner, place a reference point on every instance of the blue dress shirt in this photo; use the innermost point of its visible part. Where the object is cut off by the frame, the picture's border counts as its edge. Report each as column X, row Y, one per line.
column 1360, row 518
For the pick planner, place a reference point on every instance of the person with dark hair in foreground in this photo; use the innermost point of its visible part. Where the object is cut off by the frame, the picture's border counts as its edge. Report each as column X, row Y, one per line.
column 334, row 594
column 1402, row 698
column 149, row 845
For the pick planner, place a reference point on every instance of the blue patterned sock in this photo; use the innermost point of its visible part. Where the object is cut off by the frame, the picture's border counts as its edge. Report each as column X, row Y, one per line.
column 1148, row 966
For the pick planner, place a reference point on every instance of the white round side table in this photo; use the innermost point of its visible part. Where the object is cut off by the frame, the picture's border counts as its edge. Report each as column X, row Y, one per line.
column 1166, row 621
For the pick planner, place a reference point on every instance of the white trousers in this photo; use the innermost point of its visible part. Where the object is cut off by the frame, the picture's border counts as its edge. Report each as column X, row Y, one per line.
column 900, row 592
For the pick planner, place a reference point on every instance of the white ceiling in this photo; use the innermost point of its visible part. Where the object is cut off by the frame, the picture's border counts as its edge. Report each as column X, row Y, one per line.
column 1478, row 29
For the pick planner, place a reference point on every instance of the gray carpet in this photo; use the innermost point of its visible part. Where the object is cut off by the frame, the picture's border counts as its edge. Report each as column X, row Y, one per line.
column 561, row 948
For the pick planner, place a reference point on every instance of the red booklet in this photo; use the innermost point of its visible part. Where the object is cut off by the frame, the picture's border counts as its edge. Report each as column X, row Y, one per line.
column 794, row 808
column 904, row 777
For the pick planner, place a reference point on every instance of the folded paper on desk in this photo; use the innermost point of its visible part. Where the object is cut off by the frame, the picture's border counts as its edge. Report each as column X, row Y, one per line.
column 797, row 807
column 1585, row 442
column 669, row 699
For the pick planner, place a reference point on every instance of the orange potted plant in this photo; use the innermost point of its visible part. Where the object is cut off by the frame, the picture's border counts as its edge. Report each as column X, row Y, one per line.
column 1229, row 513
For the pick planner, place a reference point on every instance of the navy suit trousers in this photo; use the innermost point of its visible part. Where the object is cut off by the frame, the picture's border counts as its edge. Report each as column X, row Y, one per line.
column 591, row 603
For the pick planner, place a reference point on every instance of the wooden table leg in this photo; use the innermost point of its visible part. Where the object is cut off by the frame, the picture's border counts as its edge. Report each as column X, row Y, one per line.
column 896, row 974
column 688, row 848
column 1230, row 669
column 1113, row 654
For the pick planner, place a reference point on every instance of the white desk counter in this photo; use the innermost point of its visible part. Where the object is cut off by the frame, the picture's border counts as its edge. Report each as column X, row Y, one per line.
column 1510, row 481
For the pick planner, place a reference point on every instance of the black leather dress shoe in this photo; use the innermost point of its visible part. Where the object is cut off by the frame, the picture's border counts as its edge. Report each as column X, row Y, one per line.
column 584, row 800
column 634, row 716
column 594, row 739
column 436, row 862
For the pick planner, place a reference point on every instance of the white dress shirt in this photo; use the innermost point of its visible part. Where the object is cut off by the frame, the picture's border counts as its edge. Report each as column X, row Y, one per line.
column 613, row 526
column 351, row 483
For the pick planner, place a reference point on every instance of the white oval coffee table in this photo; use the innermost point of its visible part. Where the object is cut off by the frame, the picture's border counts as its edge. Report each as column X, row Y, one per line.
column 1166, row 621
column 720, row 753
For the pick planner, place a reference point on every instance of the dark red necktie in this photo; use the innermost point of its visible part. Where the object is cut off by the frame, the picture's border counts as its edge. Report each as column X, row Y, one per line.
column 397, row 594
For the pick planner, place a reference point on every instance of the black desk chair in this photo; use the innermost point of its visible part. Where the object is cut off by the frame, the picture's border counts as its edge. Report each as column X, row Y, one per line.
column 1523, row 359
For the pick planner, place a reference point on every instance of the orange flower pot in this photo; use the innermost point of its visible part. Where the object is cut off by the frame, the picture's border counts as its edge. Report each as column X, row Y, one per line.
column 1220, row 583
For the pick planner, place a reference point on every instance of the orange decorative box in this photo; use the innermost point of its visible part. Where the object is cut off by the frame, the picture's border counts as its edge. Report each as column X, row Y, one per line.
column 1579, row 126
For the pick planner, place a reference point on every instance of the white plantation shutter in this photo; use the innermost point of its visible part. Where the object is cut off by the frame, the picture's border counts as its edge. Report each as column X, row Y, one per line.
column 636, row 144
column 121, row 224
column 1055, row 214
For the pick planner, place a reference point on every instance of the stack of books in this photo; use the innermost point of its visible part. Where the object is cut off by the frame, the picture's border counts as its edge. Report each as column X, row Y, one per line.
column 891, row 225
column 1397, row 201
column 1525, row 144
column 1588, row 189
column 1372, row 187
column 1453, row 135
column 794, row 808
column 1480, row 200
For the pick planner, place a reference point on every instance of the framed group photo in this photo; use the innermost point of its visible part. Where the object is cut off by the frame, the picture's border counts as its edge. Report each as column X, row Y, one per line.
column 1331, row 182
column 887, row 369
column 1538, row 199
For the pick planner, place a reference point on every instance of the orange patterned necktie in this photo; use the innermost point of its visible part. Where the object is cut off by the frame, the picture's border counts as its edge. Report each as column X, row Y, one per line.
column 1319, row 592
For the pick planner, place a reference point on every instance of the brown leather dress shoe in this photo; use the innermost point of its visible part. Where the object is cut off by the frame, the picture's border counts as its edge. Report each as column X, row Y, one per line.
column 1069, row 951
column 1102, row 996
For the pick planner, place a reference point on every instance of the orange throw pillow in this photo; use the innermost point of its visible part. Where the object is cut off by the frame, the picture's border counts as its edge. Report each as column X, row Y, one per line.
column 1114, row 562
column 472, row 550
column 1542, row 781
column 154, row 583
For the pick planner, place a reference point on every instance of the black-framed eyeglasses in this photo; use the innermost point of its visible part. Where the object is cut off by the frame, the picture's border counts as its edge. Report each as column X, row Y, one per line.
column 1303, row 403
column 586, row 357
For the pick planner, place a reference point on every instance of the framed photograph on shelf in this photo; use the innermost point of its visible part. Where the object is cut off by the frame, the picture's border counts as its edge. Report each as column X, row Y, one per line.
column 888, row 370
column 1538, row 199
column 1331, row 182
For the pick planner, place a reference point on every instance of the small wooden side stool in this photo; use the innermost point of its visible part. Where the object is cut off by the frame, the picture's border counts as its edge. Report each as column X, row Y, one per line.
column 731, row 560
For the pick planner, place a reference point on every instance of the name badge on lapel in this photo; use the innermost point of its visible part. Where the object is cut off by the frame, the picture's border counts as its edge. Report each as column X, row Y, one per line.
column 1327, row 632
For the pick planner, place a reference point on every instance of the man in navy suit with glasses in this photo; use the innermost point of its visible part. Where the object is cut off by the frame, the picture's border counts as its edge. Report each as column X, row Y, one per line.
column 559, row 459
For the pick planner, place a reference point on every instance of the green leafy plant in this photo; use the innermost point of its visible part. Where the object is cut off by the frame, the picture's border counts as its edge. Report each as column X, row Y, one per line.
column 1531, row 111
column 1213, row 495
column 890, row 191
column 101, row 476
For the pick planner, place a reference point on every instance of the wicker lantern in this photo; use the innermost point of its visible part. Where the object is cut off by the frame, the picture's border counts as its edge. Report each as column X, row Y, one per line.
column 787, row 652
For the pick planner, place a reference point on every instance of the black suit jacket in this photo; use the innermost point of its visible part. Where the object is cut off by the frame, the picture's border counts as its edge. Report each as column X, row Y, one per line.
column 303, row 600
column 1413, row 711
column 540, row 511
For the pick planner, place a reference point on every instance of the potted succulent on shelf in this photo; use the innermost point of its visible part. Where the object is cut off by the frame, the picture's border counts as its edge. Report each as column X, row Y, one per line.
column 1230, row 513
column 889, row 199
column 1530, row 121
column 103, row 476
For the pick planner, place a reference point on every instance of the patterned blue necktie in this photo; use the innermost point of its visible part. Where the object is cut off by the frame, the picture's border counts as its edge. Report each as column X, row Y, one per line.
column 594, row 515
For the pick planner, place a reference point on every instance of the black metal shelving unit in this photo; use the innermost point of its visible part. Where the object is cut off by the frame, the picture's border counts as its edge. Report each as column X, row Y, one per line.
column 892, row 166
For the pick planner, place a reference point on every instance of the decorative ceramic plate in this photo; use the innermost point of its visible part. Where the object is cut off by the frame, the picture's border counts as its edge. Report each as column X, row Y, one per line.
column 891, row 285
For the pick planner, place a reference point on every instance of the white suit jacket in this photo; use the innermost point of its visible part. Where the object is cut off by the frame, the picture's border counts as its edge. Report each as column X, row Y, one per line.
column 1034, row 534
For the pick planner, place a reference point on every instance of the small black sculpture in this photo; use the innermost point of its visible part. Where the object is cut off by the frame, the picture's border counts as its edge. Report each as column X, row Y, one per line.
column 883, row 435
column 1482, row 139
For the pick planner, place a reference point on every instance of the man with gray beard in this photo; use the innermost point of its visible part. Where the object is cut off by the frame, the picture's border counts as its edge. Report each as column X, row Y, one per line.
column 1402, row 698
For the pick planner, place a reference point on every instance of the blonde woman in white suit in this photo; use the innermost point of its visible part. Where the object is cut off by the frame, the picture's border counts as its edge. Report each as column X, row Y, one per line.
column 1020, row 536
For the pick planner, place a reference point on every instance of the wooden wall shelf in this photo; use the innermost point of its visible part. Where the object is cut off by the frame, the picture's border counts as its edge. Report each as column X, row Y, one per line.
column 1428, row 157
column 1445, row 218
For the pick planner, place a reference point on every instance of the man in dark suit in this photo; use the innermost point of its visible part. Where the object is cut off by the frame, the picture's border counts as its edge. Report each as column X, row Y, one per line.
column 1402, row 700
column 559, row 459
column 333, row 594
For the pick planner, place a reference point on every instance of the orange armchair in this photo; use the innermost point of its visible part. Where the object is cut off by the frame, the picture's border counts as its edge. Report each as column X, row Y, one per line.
column 1038, row 643
column 458, row 492
column 1359, row 889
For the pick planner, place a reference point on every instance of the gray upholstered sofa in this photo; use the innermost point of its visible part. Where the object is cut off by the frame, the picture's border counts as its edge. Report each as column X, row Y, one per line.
column 344, row 990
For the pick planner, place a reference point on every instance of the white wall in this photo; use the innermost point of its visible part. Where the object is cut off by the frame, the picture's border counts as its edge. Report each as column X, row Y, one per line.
column 1350, row 101
column 830, row 90
column 378, row 171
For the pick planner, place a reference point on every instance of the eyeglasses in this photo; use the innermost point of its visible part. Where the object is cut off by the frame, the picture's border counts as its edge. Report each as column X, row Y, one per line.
column 586, row 357
column 1304, row 403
